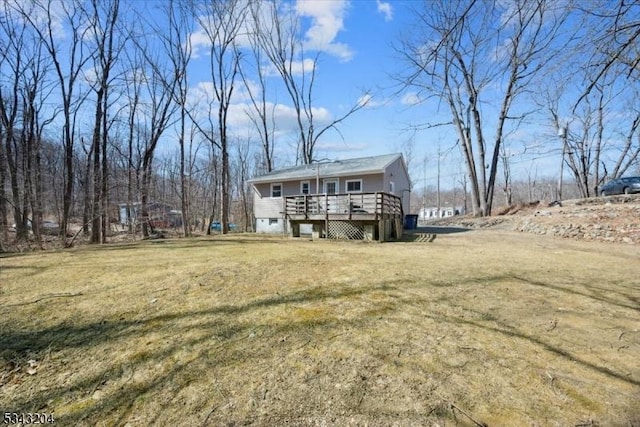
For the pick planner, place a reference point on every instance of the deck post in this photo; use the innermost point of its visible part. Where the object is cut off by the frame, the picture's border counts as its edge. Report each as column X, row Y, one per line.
column 382, row 230
column 398, row 227
column 326, row 214
column 295, row 229
column 317, row 231
column 306, row 207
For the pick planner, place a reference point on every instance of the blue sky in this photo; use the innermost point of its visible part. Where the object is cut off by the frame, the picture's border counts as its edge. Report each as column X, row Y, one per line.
column 357, row 42
column 369, row 32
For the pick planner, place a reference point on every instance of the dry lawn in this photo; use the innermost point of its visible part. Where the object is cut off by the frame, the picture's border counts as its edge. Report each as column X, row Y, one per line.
column 477, row 327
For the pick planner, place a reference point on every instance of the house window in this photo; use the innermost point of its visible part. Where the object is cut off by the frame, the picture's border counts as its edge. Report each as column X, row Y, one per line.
column 304, row 187
column 276, row 190
column 354, row 186
column 273, row 221
column 392, row 187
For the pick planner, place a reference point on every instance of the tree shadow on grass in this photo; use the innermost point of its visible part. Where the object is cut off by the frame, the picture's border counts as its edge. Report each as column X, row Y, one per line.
column 596, row 293
column 87, row 335
column 213, row 339
column 514, row 333
column 510, row 331
column 26, row 270
column 211, row 335
column 176, row 244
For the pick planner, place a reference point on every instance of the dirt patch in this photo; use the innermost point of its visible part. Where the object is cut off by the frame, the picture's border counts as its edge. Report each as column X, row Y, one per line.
column 485, row 326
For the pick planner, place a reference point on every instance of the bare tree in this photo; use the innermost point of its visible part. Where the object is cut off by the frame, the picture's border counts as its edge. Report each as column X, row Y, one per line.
column 68, row 60
column 468, row 53
column 222, row 23
column 281, row 42
column 613, row 66
column 594, row 110
column 179, row 51
column 160, row 85
column 616, row 46
column 106, row 48
column 20, row 118
column 242, row 174
column 133, row 80
column 4, row 226
column 262, row 113
column 14, row 50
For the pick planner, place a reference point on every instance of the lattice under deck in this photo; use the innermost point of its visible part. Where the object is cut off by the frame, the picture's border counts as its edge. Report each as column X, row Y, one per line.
column 346, row 230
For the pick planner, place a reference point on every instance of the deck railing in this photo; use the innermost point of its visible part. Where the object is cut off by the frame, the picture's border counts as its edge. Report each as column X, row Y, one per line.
column 377, row 204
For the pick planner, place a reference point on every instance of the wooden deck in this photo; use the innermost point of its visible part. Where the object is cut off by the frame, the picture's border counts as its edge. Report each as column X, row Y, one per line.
column 369, row 216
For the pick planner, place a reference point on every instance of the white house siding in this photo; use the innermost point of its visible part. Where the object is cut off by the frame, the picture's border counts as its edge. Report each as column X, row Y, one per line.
column 270, row 211
column 268, row 207
column 267, row 226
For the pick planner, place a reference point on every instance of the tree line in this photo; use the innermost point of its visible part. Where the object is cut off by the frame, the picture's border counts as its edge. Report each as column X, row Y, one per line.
column 97, row 105
column 500, row 68
column 92, row 88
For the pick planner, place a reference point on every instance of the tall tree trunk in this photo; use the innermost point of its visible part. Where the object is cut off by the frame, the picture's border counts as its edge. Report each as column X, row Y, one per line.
column 129, row 209
column 4, row 226
column 145, row 187
column 224, row 196
column 104, row 190
column 96, row 214
column 184, row 193
column 21, row 222
column 86, row 212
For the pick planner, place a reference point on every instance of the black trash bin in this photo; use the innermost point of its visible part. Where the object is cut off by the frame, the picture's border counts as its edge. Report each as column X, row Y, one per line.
column 410, row 222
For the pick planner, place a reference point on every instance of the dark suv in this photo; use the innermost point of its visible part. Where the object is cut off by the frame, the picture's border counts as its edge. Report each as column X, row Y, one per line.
column 626, row 185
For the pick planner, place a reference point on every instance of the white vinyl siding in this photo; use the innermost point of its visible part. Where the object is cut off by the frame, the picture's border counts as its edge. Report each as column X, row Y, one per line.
column 267, row 208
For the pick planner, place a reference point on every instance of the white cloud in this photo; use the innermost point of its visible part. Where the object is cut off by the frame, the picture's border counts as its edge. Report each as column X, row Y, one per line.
column 411, row 98
column 368, row 101
column 365, row 100
column 283, row 116
column 90, row 76
column 286, row 120
column 210, row 29
column 341, row 147
column 327, row 20
column 200, row 43
column 37, row 14
column 298, row 68
column 385, row 9
column 203, row 93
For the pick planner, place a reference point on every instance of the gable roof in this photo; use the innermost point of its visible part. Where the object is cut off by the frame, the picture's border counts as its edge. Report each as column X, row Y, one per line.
column 335, row 168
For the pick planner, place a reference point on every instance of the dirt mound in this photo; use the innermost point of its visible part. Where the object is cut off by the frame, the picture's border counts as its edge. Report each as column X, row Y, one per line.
column 608, row 219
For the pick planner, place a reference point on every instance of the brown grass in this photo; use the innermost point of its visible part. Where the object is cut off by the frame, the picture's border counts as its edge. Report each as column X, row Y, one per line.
column 479, row 327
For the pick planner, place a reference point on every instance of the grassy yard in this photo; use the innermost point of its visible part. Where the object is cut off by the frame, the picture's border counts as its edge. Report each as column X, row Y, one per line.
column 477, row 327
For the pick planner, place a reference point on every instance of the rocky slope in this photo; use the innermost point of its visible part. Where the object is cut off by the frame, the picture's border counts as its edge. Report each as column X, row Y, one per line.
column 608, row 219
